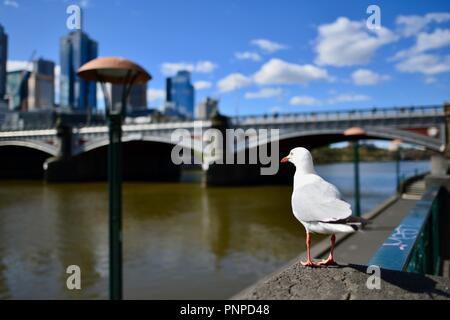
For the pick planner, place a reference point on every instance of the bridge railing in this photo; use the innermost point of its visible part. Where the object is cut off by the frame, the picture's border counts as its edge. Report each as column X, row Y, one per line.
column 336, row 115
column 433, row 110
column 415, row 244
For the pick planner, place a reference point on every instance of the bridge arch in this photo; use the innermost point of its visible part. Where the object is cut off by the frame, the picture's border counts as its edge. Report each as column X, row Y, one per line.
column 103, row 142
column 316, row 138
column 23, row 159
column 51, row 150
column 143, row 160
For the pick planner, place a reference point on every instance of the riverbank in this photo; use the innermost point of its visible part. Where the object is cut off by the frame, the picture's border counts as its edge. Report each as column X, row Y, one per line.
column 368, row 152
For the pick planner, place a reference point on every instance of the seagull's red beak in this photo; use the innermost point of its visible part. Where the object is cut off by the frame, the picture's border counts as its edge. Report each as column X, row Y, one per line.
column 284, row 160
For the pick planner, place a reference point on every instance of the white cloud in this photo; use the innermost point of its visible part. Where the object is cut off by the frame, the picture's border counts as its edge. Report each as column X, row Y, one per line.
column 438, row 39
column 411, row 25
column 233, row 82
column 365, row 77
column 345, row 42
column 11, row 3
column 15, row 65
column 247, row 55
column 205, row 67
column 277, row 71
column 202, row 85
column 170, row 68
column 341, row 98
column 418, row 58
column 428, row 64
column 264, row 93
column 304, row 101
column 268, row 46
column 348, row 98
column 155, row 94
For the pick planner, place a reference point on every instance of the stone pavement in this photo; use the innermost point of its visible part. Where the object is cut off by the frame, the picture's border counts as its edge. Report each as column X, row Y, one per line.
column 361, row 246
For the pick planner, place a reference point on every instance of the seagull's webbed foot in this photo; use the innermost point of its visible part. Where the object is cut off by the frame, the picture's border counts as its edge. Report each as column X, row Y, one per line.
column 309, row 263
column 328, row 262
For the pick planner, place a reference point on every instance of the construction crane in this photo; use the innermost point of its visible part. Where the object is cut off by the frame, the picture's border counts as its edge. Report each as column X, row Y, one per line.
column 22, row 78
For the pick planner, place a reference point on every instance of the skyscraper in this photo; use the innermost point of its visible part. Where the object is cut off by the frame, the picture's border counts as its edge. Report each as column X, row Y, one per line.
column 17, row 90
column 180, row 93
column 206, row 109
column 41, row 88
column 75, row 50
column 32, row 89
column 137, row 99
column 3, row 59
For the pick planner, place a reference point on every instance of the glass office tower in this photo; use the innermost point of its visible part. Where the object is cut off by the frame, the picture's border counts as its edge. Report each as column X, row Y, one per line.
column 75, row 50
column 3, row 59
column 180, row 93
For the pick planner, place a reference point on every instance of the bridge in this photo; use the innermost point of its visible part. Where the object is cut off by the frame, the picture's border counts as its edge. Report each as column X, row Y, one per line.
column 65, row 153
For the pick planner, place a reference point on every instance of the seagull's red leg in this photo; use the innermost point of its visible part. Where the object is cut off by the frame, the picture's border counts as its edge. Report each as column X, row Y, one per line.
column 330, row 261
column 309, row 262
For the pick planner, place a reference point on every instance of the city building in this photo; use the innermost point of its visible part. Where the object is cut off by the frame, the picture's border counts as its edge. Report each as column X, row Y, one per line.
column 17, row 90
column 41, row 86
column 137, row 99
column 75, row 50
column 3, row 60
column 180, row 94
column 206, row 109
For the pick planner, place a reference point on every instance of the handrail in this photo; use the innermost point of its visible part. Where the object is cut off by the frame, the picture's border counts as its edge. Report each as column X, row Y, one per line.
column 330, row 115
column 414, row 245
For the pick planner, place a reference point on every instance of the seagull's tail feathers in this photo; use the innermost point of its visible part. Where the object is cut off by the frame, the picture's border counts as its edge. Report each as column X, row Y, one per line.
column 359, row 221
column 356, row 223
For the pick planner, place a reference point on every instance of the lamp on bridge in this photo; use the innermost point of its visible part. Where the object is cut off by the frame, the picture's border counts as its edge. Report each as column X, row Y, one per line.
column 117, row 71
column 355, row 134
column 395, row 147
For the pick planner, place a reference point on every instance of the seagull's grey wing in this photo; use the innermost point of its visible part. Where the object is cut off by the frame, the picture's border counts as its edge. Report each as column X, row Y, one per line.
column 319, row 201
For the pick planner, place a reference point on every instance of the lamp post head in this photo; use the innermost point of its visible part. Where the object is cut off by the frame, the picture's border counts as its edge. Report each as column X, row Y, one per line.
column 113, row 70
column 395, row 145
column 355, row 132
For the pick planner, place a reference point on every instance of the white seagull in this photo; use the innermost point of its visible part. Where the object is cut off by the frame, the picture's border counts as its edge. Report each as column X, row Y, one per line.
column 317, row 204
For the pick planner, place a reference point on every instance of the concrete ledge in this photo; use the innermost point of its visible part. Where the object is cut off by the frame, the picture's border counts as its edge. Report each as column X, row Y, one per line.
column 346, row 282
column 322, row 248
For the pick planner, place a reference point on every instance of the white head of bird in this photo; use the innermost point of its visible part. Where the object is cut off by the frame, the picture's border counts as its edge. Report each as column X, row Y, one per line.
column 302, row 160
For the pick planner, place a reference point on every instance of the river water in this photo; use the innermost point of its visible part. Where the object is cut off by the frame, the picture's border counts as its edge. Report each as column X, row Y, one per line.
column 180, row 240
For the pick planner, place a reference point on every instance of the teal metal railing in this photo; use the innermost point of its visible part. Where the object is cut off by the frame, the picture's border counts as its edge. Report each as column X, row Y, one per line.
column 415, row 244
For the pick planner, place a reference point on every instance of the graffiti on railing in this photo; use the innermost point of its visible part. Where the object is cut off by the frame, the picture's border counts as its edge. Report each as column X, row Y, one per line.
column 402, row 236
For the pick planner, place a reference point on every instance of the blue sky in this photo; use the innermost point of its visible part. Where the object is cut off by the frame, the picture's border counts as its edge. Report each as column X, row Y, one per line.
column 260, row 56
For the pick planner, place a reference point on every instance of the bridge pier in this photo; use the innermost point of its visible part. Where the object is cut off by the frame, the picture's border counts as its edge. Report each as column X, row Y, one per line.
column 61, row 167
column 220, row 173
column 440, row 175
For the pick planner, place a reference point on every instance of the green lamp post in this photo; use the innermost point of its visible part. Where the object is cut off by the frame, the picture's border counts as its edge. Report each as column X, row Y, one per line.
column 118, row 71
column 355, row 134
